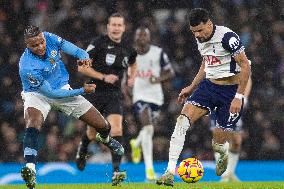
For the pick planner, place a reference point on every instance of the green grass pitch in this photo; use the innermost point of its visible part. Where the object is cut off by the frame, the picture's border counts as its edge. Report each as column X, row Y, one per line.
column 202, row 185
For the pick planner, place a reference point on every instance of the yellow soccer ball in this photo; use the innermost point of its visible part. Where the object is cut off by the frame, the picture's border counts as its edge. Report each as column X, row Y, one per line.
column 190, row 170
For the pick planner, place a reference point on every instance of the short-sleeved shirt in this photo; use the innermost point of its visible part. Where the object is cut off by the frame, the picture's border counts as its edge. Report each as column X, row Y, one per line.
column 218, row 53
column 110, row 57
column 148, row 65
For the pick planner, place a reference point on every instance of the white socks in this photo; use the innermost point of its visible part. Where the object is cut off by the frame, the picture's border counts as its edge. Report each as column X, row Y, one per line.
column 140, row 136
column 147, row 145
column 233, row 159
column 31, row 166
column 177, row 142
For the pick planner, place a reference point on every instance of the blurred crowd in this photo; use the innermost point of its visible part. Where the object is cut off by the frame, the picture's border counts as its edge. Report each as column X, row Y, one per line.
column 260, row 25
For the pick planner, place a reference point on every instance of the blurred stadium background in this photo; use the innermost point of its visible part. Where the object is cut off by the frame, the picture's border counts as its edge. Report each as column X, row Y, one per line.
column 260, row 24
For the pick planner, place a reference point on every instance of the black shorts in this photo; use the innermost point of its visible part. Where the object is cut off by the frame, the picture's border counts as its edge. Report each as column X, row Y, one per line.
column 106, row 103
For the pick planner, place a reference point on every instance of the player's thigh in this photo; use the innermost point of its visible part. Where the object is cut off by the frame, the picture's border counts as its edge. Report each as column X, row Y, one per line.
column 33, row 118
column 93, row 118
column 115, row 121
column 36, row 108
column 73, row 106
column 193, row 112
column 147, row 113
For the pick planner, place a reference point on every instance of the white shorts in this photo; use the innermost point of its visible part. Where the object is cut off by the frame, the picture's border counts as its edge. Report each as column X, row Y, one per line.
column 75, row 106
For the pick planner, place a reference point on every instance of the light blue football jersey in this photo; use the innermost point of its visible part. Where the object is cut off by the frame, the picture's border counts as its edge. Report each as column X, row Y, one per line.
column 34, row 69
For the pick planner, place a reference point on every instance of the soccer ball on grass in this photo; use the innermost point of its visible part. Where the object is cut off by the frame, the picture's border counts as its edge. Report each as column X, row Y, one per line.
column 190, row 170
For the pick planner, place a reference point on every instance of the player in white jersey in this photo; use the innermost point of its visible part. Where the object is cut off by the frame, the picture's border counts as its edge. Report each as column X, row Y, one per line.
column 219, row 85
column 153, row 67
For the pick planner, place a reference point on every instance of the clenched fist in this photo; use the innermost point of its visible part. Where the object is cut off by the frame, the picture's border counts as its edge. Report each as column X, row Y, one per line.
column 85, row 62
column 89, row 88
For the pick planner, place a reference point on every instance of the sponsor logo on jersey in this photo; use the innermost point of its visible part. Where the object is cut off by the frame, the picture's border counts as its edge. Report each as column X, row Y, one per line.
column 211, row 60
column 110, row 47
column 110, row 59
column 144, row 74
column 234, row 43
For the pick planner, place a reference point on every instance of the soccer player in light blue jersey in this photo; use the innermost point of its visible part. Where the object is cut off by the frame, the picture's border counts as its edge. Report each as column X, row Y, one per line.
column 45, row 85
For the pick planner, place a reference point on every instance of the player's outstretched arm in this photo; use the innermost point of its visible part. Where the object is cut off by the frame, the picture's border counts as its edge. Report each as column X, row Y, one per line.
column 165, row 75
column 199, row 77
column 131, row 72
column 46, row 90
column 71, row 49
column 90, row 72
column 185, row 92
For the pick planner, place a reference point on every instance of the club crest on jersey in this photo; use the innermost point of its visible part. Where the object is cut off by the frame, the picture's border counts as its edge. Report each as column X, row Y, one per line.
column 53, row 53
column 51, row 60
column 110, row 59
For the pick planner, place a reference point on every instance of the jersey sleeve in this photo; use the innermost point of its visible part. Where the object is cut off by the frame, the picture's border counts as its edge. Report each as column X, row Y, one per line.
column 68, row 47
column 46, row 90
column 73, row 50
column 94, row 45
column 133, row 55
column 165, row 62
column 56, row 39
column 232, row 43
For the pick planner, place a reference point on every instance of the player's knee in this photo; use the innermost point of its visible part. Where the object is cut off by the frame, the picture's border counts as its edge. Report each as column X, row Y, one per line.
column 35, row 122
column 182, row 125
column 144, row 116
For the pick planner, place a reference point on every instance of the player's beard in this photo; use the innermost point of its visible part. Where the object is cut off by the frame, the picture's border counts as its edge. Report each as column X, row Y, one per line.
column 201, row 39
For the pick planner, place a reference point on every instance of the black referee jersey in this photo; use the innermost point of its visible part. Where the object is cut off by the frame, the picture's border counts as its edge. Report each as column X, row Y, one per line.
column 110, row 57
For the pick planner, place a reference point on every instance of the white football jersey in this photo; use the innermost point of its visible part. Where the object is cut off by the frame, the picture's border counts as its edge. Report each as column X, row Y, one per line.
column 148, row 65
column 218, row 53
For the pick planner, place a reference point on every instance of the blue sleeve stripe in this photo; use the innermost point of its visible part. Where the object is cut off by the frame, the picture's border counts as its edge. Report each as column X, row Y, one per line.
column 233, row 65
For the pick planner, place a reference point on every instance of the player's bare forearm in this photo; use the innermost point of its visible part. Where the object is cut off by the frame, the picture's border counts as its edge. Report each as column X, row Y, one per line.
column 199, row 76
column 243, row 62
column 248, row 88
column 166, row 75
column 90, row 72
column 132, row 70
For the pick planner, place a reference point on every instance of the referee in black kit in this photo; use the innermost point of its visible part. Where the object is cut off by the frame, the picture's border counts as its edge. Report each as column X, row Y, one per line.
column 112, row 57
